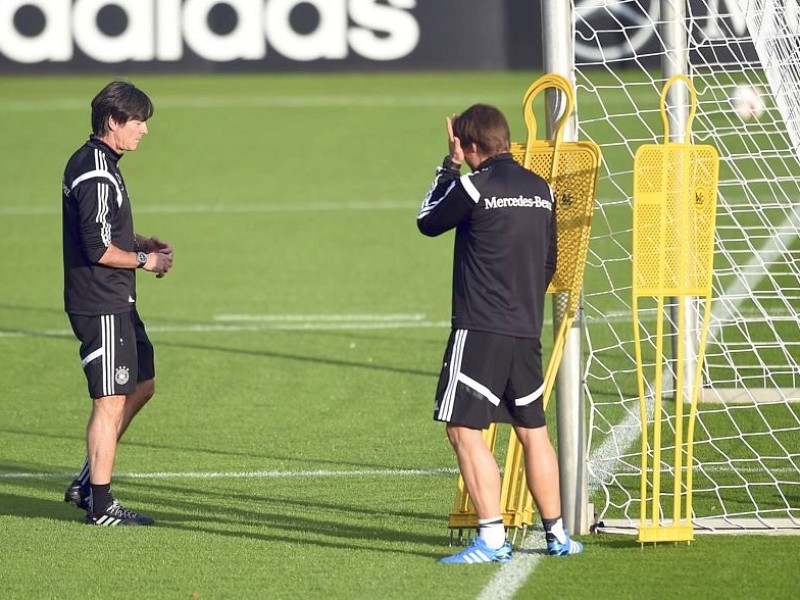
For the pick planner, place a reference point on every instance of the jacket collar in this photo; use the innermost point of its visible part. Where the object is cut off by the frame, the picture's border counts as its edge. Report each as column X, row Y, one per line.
column 95, row 142
column 497, row 158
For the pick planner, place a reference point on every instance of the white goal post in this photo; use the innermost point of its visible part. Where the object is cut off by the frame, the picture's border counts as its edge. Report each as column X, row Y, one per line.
column 746, row 463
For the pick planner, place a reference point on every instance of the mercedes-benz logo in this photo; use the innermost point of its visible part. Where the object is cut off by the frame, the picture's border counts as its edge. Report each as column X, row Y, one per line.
column 618, row 30
column 612, row 31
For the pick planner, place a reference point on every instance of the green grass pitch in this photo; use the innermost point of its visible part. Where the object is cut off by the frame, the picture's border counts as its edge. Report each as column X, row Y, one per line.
column 289, row 451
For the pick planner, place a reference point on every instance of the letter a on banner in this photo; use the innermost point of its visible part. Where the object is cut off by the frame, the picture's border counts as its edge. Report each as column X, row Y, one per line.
column 571, row 169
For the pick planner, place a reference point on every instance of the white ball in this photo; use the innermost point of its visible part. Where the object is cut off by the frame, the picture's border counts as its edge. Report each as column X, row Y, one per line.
column 747, row 102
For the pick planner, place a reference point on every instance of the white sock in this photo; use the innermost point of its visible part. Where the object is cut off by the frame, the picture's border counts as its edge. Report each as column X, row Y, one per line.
column 557, row 529
column 492, row 532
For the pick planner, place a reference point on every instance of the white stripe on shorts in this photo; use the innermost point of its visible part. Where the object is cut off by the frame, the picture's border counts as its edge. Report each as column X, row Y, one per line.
column 480, row 388
column 112, row 350
column 448, row 401
column 103, row 337
column 91, row 356
column 534, row 395
column 107, row 334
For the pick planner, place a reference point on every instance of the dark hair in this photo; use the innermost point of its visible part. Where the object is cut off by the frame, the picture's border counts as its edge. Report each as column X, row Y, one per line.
column 121, row 100
column 485, row 126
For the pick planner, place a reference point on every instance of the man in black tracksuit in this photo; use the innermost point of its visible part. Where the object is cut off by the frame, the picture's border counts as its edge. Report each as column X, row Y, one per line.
column 101, row 255
column 504, row 258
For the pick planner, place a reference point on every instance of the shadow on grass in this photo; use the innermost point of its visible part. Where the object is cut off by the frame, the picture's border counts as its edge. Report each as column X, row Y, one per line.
column 297, row 541
column 79, row 438
column 244, row 352
column 215, row 498
column 38, row 508
column 290, row 520
column 40, row 497
column 300, row 358
column 271, row 519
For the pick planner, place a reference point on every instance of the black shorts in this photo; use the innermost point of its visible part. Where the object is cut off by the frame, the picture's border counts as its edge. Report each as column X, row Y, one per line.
column 490, row 378
column 115, row 352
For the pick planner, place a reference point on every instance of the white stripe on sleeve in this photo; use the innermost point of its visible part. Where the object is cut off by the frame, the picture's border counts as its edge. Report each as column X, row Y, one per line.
column 470, row 188
column 102, row 213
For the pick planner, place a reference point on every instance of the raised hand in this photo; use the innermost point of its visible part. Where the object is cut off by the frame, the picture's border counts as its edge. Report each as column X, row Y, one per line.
column 454, row 144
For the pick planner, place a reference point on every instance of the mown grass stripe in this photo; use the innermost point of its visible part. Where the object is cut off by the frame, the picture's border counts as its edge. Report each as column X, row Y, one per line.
column 250, row 474
column 238, row 328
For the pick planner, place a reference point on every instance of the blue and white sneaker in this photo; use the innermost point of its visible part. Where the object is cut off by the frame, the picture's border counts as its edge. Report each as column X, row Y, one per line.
column 556, row 548
column 479, row 552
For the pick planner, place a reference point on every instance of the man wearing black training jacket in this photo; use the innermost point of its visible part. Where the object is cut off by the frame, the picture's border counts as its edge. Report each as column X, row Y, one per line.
column 101, row 256
column 504, row 258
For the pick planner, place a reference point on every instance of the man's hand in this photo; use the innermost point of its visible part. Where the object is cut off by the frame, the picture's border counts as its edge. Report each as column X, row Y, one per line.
column 456, row 153
column 158, row 263
column 155, row 244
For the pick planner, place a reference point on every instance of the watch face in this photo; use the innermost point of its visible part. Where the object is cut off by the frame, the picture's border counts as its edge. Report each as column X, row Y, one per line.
column 142, row 258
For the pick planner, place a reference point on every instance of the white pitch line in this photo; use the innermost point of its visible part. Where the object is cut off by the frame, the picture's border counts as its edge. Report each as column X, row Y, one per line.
column 256, row 323
column 303, row 326
column 349, row 318
column 249, row 474
column 289, row 206
column 514, row 574
column 727, row 307
column 225, row 328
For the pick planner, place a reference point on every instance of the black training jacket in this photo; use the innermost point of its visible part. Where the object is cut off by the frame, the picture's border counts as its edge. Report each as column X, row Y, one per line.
column 96, row 212
column 505, row 244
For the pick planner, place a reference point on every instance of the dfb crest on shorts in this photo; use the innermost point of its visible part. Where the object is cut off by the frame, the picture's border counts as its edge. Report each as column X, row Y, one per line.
column 122, row 375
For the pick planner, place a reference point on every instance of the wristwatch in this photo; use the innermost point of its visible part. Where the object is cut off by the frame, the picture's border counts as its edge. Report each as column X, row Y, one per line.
column 141, row 259
column 449, row 165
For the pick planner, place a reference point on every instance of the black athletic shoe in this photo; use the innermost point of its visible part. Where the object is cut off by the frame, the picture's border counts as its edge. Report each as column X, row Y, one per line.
column 77, row 495
column 116, row 514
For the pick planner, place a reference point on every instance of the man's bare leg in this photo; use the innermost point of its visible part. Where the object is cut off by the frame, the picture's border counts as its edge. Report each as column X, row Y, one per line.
column 478, row 468
column 134, row 403
column 101, row 445
column 77, row 492
column 104, row 428
column 541, row 469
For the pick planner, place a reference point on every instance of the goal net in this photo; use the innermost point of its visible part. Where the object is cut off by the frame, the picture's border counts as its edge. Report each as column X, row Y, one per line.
column 744, row 60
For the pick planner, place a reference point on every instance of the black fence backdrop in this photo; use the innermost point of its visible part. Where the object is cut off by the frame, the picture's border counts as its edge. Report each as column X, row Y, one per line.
column 84, row 36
